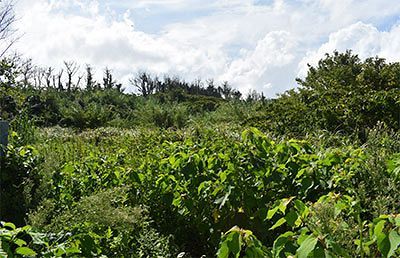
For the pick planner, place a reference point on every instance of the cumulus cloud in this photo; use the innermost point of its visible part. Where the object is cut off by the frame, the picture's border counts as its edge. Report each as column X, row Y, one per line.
column 254, row 44
column 55, row 36
column 363, row 39
column 276, row 51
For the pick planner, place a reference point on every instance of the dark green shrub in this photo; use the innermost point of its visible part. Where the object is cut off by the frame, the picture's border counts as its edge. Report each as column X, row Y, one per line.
column 18, row 179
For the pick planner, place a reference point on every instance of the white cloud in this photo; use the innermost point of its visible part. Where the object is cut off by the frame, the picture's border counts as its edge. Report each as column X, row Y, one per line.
column 54, row 37
column 363, row 39
column 272, row 53
column 258, row 44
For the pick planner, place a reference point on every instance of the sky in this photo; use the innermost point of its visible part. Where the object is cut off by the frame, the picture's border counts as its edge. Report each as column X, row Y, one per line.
column 260, row 45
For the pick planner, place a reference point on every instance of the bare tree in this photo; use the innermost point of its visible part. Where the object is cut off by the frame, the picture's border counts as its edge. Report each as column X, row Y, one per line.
column 48, row 74
column 71, row 69
column 7, row 18
column 143, row 83
column 27, row 71
column 78, row 82
column 38, row 77
column 60, row 84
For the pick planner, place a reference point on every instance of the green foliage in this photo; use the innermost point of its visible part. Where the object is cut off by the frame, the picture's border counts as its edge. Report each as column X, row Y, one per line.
column 18, row 179
column 324, row 228
column 163, row 116
column 25, row 242
column 199, row 183
column 356, row 95
column 340, row 94
column 23, row 130
column 241, row 243
column 192, row 178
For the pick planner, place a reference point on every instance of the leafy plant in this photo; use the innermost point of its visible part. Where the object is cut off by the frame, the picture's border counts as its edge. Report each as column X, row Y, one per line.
column 241, row 243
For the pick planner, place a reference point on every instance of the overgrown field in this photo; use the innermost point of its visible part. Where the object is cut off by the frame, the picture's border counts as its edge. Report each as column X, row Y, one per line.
column 100, row 173
column 157, row 192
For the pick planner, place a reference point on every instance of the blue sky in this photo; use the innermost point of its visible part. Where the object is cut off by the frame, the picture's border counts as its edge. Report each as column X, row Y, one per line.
column 254, row 44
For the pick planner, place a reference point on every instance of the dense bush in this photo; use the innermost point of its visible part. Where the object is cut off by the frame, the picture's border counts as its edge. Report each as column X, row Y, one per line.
column 186, row 188
column 342, row 93
column 18, row 180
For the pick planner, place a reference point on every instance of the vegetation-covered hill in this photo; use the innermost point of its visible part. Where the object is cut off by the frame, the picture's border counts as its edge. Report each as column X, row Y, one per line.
column 194, row 170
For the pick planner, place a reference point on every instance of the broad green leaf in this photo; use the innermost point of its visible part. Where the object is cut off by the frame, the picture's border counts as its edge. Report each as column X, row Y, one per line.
column 280, row 242
column 235, row 244
column 384, row 245
column 19, row 242
column 223, row 251
column 307, row 246
column 284, row 204
column 60, row 251
column 232, row 243
column 108, row 233
column 201, row 186
column 301, row 208
column 319, row 251
column 177, row 201
column 329, row 254
column 26, row 251
column 382, row 238
column 26, row 228
column 291, row 218
column 339, row 207
column 394, row 239
column 397, row 220
column 300, row 173
column 279, row 205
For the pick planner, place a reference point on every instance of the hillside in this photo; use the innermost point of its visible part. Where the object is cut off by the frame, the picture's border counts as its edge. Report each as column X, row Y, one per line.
column 198, row 170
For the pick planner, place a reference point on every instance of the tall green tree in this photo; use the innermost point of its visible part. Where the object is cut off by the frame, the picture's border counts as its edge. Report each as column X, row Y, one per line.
column 345, row 93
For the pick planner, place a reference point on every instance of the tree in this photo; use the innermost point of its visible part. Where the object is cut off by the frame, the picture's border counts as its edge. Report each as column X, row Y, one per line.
column 108, row 82
column 27, row 71
column 7, row 18
column 38, row 77
column 71, row 68
column 350, row 95
column 59, row 80
column 225, row 90
column 90, row 82
column 143, row 83
column 48, row 73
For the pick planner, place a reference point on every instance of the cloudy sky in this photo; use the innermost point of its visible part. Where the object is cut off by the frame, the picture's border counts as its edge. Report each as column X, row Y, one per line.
column 253, row 44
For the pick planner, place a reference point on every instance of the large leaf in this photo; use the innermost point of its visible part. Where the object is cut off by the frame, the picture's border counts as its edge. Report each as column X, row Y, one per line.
column 280, row 242
column 223, row 251
column 394, row 239
column 307, row 246
column 382, row 238
column 26, row 251
column 231, row 244
column 235, row 244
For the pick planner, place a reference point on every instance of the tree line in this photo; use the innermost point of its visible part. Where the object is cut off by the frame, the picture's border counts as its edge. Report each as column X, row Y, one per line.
column 72, row 77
